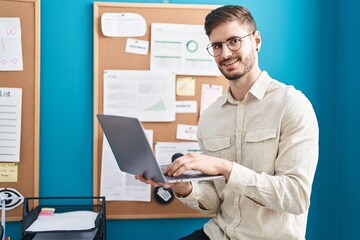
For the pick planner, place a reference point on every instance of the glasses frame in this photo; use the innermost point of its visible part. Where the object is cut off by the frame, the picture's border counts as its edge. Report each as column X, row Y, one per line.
column 210, row 46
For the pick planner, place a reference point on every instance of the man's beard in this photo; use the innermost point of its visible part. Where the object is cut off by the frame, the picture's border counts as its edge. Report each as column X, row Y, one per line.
column 248, row 64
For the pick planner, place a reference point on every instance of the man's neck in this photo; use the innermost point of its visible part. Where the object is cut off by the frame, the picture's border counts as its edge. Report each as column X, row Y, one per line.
column 239, row 88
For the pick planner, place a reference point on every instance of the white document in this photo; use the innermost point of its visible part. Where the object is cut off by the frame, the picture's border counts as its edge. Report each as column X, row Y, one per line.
column 117, row 185
column 10, row 124
column 209, row 93
column 146, row 95
column 123, row 25
column 186, row 132
column 165, row 150
column 186, row 107
column 66, row 221
column 137, row 46
column 181, row 48
column 10, row 45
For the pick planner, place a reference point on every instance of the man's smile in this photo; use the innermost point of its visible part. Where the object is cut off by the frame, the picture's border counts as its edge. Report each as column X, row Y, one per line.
column 229, row 62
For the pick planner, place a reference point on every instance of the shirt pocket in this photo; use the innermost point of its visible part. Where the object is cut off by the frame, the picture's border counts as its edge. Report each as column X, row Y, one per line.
column 260, row 150
column 221, row 147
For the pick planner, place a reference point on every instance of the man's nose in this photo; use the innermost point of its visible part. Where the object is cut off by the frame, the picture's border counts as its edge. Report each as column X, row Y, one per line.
column 226, row 52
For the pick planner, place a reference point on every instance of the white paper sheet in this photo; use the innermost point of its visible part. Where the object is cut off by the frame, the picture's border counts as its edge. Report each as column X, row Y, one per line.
column 67, row 221
column 120, row 186
column 181, row 48
column 209, row 94
column 146, row 95
column 10, row 45
column 186, row 132
column 137, row 46
column 10, row 124
column 123, row 25
column 186, row 107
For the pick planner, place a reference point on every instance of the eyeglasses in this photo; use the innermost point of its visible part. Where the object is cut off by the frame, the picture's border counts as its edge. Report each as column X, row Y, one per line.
column 233, row 43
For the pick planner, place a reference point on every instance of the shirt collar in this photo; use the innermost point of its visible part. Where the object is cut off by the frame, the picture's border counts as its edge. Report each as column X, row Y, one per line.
column 258, row 89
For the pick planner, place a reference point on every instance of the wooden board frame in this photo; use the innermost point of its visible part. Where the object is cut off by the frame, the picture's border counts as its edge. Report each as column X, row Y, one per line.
column 109, row 54
column 29, row 80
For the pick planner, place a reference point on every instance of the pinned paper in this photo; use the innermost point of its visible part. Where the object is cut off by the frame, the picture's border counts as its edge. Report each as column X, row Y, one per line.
column 149, row 133
column 147, row 95
column 186, row 132
column 209, row 93
column 10, row 124
column 123, row 25
column 185, row 106
column 181, row 48
column 185, row 86
column 8, row 172
column 137, row 46
column 10, row 45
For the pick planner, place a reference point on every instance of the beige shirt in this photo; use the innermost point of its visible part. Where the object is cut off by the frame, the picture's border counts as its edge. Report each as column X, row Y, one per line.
column 272, row 138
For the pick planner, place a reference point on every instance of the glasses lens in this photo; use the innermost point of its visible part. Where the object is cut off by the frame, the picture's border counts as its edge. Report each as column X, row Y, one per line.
column 234, row 44
column 210, row 50
column 214, row 49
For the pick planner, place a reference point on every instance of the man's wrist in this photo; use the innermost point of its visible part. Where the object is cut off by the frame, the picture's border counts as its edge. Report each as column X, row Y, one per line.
column 227, row 169
column 184, row 190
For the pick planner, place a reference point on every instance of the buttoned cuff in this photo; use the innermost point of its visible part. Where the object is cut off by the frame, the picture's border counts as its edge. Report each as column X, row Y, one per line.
column 240, row 178
column 190, row 200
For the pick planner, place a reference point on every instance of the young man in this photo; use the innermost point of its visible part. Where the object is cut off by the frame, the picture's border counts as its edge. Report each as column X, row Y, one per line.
column 261, row 135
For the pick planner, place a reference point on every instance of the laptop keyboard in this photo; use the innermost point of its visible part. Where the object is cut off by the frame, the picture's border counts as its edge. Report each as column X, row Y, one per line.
column 185, row 175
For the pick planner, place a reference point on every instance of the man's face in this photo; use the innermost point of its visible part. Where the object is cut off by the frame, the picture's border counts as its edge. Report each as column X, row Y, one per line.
column 234, row 64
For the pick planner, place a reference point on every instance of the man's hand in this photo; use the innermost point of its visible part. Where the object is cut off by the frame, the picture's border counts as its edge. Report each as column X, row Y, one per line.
column 203, row 163
column 181, row 188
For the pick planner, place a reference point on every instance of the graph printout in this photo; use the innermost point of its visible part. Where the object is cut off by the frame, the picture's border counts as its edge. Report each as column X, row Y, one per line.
column 181, row 48
column 146, row 95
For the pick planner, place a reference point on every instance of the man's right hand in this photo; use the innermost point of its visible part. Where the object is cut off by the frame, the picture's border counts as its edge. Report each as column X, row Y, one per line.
column 182, row 188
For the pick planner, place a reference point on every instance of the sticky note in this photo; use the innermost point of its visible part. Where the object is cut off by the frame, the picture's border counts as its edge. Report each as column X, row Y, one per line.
column 8, row 172
column 47, row 211
column 185, row 86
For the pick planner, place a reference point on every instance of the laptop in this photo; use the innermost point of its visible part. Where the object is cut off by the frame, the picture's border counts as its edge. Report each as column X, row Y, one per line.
column 133, row 153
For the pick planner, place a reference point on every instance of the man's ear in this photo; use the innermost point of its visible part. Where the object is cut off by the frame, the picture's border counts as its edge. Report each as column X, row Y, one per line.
column 257, row 38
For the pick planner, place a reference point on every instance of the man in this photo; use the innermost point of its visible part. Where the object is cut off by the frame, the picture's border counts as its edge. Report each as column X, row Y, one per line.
column 261, row 135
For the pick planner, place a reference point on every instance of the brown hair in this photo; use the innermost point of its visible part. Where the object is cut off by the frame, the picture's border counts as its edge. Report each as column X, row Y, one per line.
column 229, row 13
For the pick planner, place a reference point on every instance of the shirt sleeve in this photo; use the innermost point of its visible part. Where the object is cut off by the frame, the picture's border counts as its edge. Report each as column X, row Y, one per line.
column 290, row 187
column 204, row 193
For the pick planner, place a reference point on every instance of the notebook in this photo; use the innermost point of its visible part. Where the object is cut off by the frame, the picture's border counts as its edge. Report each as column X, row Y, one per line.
column 133, row 153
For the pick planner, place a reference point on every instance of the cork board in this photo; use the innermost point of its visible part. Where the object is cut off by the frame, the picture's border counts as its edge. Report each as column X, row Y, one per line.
column 29, row 80
column 107, row 57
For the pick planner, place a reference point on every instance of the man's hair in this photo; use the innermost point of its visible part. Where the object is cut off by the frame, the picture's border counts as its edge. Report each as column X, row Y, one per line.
column 229, row 13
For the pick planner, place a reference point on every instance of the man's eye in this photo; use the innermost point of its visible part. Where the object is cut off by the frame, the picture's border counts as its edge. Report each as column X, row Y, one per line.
column 216, row 46
column 234, row 41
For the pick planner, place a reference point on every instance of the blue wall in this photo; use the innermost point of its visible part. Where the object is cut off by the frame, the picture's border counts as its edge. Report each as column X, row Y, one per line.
column 348, row 118
column 306, row 43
